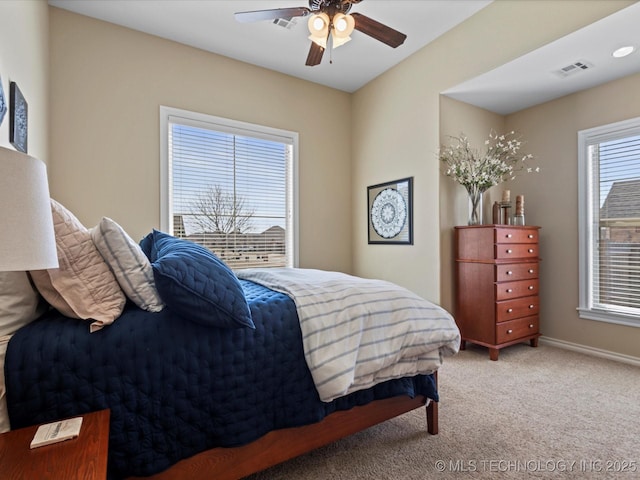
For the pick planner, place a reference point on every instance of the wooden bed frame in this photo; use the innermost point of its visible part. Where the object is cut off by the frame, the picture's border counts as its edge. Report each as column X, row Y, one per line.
column 281, row 445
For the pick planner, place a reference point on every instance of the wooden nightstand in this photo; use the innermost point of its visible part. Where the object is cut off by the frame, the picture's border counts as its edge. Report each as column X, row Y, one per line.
column 83, row 458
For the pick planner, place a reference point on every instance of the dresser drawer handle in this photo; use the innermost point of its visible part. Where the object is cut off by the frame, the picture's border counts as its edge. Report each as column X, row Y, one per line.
column 509, row 331
column 509, row 290
column 530, row 236
column 531, row 250
column 509, row 272
column 508, row 235
column 531, row 287
column 531, row 325
column 509, row 310
column 509, row 250
column 531, row 270
column 531, row 307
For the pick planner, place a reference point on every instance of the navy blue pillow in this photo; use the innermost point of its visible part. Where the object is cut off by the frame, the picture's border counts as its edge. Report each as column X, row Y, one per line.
column 196, row 284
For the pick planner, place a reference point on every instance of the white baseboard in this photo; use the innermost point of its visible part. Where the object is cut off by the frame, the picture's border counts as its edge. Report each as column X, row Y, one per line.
column 595, row 352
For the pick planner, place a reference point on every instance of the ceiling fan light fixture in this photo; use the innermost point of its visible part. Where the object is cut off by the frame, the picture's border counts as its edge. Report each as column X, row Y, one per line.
column 319, row 28
column 343, row 26
column 329, row 24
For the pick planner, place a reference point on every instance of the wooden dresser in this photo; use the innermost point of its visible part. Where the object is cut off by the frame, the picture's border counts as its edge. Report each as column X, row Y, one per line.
column 496, row 291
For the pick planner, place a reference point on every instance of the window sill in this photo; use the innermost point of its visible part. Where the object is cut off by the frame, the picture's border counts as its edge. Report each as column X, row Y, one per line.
column 609, row 317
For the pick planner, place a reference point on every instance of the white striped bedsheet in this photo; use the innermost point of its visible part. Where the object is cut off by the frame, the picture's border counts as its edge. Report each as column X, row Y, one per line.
column 359, row 332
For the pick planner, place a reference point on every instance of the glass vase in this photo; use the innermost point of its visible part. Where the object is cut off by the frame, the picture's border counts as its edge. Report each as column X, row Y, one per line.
column 475, row 206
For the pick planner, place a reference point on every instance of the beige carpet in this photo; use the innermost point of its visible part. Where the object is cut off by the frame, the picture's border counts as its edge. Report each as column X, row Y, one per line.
column 537, row 412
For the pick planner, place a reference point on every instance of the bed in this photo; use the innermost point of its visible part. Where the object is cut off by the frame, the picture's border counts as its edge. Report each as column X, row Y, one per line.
column 196, row 393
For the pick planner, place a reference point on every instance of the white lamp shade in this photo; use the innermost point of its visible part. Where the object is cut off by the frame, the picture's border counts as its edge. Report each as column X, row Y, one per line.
column 338, row 41
column 343, row 26
column 319, row 28
column 27, row 239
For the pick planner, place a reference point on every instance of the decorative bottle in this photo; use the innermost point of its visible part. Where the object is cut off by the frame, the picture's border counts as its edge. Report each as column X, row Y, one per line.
column 519, row 217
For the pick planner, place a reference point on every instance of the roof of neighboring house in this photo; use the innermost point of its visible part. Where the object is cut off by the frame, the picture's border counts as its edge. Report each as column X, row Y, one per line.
column 623, row 201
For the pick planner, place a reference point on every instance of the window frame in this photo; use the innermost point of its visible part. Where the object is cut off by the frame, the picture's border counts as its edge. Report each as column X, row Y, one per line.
column 234, row 127
column 587, row 239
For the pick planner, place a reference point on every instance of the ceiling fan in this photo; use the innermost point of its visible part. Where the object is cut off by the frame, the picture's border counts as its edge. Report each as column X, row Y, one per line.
column 329, row 20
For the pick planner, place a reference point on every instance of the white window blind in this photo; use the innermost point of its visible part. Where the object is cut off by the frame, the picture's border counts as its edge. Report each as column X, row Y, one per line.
column 610, row 223
column 231, row 188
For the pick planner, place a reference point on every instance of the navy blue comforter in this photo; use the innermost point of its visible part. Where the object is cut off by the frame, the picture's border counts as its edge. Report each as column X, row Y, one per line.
column 174, row 387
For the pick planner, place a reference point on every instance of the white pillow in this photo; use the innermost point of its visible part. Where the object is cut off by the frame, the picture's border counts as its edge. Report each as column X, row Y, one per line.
column 83, row 286
column 20, row 303
column 128, row 263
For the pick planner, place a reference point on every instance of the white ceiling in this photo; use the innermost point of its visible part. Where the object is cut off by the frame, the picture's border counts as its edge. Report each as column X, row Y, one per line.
column 533, row 78
column 210, row 25
column 529, row 80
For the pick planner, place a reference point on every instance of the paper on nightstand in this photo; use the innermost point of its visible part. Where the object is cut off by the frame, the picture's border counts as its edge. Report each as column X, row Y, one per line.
column 56, row 432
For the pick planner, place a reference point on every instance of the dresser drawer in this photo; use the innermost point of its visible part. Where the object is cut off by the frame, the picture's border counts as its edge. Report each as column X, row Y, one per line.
column 516, row 271
column 514, row 329
column 520, row 235
column 521, row 288
column 520, row 307
column 505, row 251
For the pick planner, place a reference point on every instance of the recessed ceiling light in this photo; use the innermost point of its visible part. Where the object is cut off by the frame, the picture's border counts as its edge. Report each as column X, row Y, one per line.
column 623, row 51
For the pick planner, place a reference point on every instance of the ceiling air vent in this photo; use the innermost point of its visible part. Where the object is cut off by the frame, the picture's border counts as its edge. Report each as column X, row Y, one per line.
column 576, row 67
column 287, row 23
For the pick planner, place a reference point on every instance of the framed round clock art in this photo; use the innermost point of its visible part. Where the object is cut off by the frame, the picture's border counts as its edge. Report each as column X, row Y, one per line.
column 3, row 103
column 390, row 212
column 18, row 118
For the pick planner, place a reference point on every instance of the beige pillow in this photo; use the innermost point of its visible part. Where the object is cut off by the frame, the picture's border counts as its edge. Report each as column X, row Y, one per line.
column 128, row 263
column 20, row 303
column 5, row 424
column 83, row 286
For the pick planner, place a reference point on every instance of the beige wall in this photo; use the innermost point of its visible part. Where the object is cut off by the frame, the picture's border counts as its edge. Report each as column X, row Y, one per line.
column 476, row 123
column 396, row 123
column 108, row 83
column 24, row 59
column 551, row 201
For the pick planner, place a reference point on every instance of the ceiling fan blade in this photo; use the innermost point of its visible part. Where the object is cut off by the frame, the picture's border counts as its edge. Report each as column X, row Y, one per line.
column 379, row 31
column 258, row 15
column 315, row 55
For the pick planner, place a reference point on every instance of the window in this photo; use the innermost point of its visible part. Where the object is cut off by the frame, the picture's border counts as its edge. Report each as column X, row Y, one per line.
column 609, row 221
column 231, row 187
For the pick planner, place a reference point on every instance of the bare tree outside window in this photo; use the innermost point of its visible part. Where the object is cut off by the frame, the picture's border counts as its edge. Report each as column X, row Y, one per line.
column 218, row 211
column 222, row 220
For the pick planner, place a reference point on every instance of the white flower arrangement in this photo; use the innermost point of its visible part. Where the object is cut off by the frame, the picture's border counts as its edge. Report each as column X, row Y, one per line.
column 477, row 172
